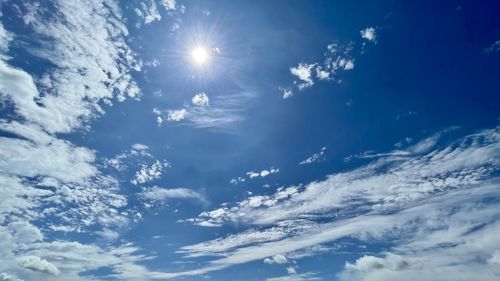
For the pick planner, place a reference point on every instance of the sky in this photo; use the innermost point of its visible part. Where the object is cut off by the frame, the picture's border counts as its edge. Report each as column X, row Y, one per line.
column 249, row 140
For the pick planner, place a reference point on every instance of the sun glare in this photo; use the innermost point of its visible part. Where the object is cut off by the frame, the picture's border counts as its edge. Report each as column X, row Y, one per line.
column 199, row 55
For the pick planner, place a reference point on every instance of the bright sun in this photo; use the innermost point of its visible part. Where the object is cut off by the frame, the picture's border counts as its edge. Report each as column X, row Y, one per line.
column 199, row 55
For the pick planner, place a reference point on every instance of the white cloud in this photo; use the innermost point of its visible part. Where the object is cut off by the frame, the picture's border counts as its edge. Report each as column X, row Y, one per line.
column 287, row 93
column 369, row 263
column 322, row 74
column 169, row 4
column 304, row 73
column 237, row 180
column 92, row 63
column 139, row 146
column 369, row 34
column 456, row 251
column 264, row 173
column 420, row 147
column 149, row 11
column 337, row 59
column 317, row 157
column 223, row 112
column 176, row 115
column 133, row 157
column 220, row 246
column 55, row 158
column 424, row 200
column 48, row 183
column 159, row 120
column 162, row 194
column 108, row 234
column 25, row 232
column 200, row 99
column 71, row 259
column 7, row 277
column 5, row 38
column 277, row 259
column 148, row 173
column 309, row 276
column 38, row 264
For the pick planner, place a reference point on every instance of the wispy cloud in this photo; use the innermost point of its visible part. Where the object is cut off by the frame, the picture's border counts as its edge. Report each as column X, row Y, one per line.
column 222, row 112
column 156, row 193
column 47, row 183
column 296, row 277
column 494, row 48
column 316, row 157
column 151, row 11
column 374, row 202
column 92, row 64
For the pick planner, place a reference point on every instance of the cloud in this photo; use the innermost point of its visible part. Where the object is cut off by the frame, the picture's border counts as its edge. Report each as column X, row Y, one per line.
column 369, row 263
column 369, row 34
column 455, row 252
column 252, row 175
column 296, row 277
column 71, row 259
column 139, row 146
column 108, row 234
column 176, row 115
column 237, row 180
column 277, row 259
column 422, row 146
column 223, row 112
column 200, row 99
column 56, row 158
column 133, row 157
column 317, row 157
column 156, row 193
column 37, row 264
column 149, row 11
column 264, row 173
column 91, row 64
column 169, row 4
column 25, row 232
column 421, row 202
column 5, row 38
column 494, row 48
column 148, row 173
column 304, row 73
column 337, row 59
column 7, row 277
column 287, row 92
column 47, row 182
column 147, row 167
column 219, row 246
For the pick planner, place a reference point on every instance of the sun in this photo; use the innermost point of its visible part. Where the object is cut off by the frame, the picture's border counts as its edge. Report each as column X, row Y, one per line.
column 200, row 55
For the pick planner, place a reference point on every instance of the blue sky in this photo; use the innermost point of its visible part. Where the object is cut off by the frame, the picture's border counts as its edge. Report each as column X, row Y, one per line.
column 249, row 140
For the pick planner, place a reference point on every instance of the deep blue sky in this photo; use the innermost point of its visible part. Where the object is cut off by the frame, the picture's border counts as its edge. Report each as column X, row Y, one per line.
column 384, row 169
